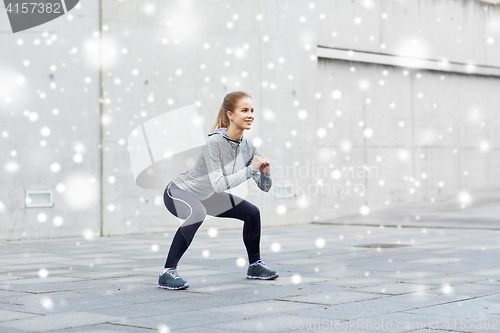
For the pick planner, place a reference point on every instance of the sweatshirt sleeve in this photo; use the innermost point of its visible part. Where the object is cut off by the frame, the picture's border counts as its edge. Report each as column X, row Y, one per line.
column 212, row 154
column 263, row 181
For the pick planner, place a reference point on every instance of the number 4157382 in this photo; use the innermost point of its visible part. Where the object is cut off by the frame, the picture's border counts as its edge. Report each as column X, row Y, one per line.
column 34, row 7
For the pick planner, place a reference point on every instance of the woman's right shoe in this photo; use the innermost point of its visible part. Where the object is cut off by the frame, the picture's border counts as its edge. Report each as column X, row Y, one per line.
column 259, row 270
column 169, row 279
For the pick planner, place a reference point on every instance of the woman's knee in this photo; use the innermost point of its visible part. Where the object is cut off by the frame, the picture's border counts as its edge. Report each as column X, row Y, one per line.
column 195, row 219
column 254, row 212
column 199, row 214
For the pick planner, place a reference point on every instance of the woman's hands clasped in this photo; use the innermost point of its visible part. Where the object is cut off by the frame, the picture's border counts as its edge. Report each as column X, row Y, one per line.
column 261, row 164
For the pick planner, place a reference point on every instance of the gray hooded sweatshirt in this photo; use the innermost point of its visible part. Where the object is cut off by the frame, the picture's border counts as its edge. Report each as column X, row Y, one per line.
column 206, row 177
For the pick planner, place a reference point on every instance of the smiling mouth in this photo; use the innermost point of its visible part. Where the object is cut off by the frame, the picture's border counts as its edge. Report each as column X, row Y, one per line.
column 248, row 121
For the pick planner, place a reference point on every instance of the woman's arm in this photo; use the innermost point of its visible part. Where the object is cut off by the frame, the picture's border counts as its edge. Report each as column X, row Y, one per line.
column 261, row 178
column 212, row 153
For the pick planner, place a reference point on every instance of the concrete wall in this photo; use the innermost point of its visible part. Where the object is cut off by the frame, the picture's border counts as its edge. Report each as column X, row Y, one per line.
column 49, row 126
column 162, row 55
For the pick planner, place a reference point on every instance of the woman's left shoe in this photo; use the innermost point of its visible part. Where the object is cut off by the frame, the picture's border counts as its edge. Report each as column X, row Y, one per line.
column 259, row 270
column 169, row 279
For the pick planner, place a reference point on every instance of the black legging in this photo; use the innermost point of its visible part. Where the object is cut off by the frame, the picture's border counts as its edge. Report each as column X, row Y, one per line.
column 184, row 205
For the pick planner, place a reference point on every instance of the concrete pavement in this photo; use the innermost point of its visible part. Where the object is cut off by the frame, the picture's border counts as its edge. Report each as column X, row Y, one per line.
column 445, row 278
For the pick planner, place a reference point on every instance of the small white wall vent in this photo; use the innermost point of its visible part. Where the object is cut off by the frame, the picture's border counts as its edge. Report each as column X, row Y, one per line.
column 39, row 198
column 283, row 191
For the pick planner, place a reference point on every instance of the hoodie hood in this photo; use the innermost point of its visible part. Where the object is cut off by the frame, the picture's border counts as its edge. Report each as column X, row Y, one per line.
column 223, row 131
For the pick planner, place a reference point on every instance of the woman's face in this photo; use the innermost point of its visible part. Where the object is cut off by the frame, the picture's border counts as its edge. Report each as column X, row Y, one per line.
column 243, row 115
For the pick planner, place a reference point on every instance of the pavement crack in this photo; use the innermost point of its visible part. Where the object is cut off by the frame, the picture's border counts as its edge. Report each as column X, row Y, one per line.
column 12, row 303
column 289, row 300
column 135, row 326
column 36, row 292
column 402, row 226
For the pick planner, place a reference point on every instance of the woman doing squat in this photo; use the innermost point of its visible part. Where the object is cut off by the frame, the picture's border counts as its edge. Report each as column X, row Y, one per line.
column 227, row 160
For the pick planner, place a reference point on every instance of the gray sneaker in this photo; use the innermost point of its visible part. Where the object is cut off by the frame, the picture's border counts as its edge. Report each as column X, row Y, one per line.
column 169, row 279
column 259, row 270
